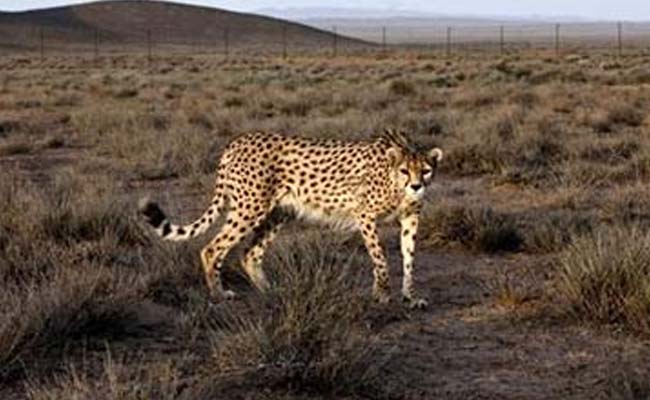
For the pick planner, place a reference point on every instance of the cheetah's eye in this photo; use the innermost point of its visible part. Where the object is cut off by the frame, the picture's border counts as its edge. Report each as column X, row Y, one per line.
column 404, row 171
column 426, row 171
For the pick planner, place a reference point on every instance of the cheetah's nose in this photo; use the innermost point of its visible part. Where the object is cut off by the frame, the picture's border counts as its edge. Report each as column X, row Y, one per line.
column 416, row 186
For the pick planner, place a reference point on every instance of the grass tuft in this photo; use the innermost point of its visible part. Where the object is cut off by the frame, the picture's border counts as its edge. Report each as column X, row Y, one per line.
column 627, row 382
column 17, row 148
column 402, row 88
column 304, row 336
column 481, row 229
column 626, row 114
column 605, row 277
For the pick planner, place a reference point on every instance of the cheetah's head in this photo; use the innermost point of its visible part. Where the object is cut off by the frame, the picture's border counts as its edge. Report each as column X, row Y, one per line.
column 415, row 172
column 414, row 168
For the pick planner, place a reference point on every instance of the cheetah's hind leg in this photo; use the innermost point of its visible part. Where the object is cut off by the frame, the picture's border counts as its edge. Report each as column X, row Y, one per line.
column 263, row 235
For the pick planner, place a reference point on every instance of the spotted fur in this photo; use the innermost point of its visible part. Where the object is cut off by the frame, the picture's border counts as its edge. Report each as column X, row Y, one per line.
column 263, row 180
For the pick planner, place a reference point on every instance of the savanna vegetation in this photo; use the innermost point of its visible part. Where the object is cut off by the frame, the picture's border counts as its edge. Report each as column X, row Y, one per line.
column 534, row 249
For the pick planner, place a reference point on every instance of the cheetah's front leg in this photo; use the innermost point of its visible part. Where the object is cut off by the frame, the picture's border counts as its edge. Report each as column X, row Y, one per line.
column 409, row 223
column 381, row 288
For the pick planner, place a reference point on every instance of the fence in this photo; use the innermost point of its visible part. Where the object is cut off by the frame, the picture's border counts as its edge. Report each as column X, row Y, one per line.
column 226, row 41
column 290, row 40
column 615, row 36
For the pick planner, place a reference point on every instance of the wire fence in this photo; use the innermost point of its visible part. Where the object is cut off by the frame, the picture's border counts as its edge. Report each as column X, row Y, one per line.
column 290, row 40
column 615, row 36
column 46, row 40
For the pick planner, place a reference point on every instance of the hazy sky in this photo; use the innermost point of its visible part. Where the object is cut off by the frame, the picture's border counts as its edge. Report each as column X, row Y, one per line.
column 601, row 9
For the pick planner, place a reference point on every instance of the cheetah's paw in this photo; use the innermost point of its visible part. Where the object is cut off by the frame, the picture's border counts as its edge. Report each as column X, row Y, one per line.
column 416, row 303
column 229, row 295
column 381, row 297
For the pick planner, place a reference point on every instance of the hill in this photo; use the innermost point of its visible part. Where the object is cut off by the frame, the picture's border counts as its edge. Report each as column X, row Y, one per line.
column 131, row 21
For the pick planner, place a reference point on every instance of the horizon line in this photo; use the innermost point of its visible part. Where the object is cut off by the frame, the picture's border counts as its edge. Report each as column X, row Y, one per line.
column 275, row 13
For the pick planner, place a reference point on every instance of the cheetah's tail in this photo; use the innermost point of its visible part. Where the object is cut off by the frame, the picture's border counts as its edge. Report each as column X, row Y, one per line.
column 157, row 218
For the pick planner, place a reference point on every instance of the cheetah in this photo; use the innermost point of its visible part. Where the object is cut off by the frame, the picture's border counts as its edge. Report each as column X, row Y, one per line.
column 265, row 180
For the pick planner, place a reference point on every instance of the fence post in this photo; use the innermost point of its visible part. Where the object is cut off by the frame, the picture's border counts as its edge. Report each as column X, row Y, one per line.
column 216, row 40
column 42, row 44
column 557, row 40
column 620, row 38
column 383, row 39
column 448, row 47
column 226, row 42
column 96, row 49
column 284, row 42
column 149, row 51
column 335, row 41
column 502, row 40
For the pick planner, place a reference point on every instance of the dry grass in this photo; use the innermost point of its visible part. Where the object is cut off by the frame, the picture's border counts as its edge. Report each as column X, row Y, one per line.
column 58, row 270
column 605, row 277
column 306, row 335
column 513, row 290
column 11, row 149
column 117, row 380
column 80, row 277
column 627, row 383
column 480, row 229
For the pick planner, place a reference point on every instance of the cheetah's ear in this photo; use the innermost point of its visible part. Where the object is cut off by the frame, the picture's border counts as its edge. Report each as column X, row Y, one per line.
column 435, row 155
column 396, row 137
column 395, row 156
